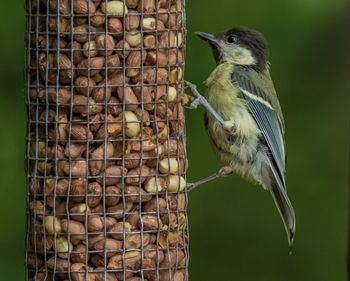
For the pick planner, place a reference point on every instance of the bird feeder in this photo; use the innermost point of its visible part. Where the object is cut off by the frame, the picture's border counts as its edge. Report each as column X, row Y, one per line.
column 106, row 155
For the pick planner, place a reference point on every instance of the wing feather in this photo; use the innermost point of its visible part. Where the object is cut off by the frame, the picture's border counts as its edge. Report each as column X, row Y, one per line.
column 266, row 117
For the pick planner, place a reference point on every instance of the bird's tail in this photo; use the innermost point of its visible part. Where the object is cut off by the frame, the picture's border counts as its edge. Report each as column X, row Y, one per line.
column 285, row 209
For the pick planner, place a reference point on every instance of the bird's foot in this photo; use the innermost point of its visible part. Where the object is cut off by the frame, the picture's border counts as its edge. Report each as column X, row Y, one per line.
column 195, row 102
column 193, row 88
column 197, row 98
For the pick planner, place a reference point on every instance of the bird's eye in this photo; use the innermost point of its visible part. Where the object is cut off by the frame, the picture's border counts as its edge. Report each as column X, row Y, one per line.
column 232, row 39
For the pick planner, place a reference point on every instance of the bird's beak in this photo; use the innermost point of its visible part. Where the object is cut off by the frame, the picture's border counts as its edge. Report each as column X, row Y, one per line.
column 207, row 37
column 213, row 42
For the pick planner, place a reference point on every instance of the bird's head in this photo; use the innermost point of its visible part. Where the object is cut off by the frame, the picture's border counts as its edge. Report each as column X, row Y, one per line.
column 241, row 46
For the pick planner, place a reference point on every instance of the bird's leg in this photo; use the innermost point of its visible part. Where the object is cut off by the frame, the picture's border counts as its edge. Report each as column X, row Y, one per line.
column 223, row 172
column 200, row 100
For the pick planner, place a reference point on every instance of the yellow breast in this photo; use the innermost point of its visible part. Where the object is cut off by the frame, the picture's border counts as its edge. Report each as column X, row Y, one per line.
column 222, row 94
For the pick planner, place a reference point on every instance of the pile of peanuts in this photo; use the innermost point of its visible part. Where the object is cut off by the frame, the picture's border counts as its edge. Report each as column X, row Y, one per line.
column 106, row 157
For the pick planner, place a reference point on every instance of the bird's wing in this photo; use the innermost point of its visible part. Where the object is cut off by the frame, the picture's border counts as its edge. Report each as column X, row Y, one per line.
column 256, row 90
column 266, row 113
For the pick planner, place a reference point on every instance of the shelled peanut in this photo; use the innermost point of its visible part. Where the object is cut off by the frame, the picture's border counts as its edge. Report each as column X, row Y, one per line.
column 106, row 152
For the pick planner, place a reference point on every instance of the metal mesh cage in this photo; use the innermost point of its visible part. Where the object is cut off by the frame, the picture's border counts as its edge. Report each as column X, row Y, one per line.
column 106, row 157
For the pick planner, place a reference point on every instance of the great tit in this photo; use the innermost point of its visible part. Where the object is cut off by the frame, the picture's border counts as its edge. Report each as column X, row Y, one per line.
column 244, row 119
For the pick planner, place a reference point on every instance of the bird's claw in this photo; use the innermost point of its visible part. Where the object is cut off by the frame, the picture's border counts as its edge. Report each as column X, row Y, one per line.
column 196, row 98
column 195, row 102
column 191, row 85
column 190, row 186
column 193, row 88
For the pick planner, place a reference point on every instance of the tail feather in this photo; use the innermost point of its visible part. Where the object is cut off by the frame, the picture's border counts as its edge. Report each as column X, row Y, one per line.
column 285, row 209
column 279, row 194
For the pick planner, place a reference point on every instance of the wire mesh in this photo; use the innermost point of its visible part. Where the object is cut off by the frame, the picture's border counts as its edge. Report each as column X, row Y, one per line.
column 106, row 155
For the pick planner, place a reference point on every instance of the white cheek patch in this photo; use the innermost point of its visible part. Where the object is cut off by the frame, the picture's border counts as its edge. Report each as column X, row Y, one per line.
column 238, row 55
column 243, row 56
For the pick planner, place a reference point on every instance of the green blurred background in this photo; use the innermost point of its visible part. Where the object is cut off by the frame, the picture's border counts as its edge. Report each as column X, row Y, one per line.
column 236, row 233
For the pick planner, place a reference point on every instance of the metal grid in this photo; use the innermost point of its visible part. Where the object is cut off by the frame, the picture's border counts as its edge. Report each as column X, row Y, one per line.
column 106, row 155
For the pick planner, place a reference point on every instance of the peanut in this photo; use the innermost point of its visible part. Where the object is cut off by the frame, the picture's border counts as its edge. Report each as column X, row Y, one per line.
column 114, row 8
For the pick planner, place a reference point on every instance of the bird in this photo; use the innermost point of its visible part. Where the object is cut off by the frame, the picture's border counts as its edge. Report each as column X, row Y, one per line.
column 243, row 116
